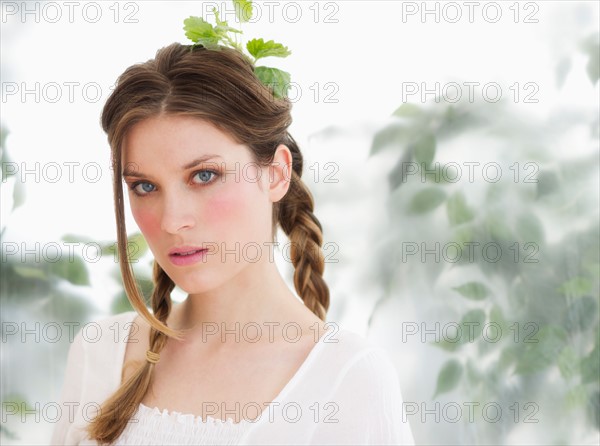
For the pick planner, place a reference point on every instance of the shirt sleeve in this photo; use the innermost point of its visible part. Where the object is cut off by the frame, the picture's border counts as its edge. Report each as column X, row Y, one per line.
column 70, row 396
column 366, row 405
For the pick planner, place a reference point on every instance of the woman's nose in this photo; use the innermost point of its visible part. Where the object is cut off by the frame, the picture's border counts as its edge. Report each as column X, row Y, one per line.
column 177, row 214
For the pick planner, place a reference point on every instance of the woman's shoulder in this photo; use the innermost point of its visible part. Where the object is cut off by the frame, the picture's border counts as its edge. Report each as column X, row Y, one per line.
column 103, row 340
column 106, row 329
column 345, row 345
column 346, row 353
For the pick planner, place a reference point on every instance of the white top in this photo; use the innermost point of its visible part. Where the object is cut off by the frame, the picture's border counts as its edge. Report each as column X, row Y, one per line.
column 345, row 392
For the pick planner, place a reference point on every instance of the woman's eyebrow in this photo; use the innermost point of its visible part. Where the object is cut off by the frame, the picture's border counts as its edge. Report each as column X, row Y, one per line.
column 129, row 172
column 200, row 160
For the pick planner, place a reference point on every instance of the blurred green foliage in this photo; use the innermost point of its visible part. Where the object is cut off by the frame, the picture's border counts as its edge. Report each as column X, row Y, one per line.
column 548, row 290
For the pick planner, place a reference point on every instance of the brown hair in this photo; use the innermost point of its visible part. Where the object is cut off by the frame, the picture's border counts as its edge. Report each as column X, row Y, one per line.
column 220, row 87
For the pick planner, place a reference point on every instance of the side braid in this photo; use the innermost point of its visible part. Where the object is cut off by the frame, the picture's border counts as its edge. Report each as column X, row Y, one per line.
column 295, row 215
column 117, row 410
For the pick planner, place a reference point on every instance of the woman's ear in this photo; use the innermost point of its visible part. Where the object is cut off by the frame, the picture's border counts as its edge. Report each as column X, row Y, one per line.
column 280, row 173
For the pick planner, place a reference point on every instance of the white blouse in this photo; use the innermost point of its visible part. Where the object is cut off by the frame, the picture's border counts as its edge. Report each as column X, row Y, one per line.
column 345, row 392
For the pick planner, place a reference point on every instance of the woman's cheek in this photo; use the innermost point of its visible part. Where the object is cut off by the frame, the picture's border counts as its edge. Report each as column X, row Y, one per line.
column 224, row 208
column 148, row 223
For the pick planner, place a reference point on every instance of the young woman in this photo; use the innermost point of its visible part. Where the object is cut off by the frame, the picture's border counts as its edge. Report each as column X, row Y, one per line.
column 211, row 173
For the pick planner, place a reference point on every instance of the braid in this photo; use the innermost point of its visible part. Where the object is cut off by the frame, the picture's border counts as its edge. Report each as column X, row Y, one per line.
column 117, row 410
column 296, row 217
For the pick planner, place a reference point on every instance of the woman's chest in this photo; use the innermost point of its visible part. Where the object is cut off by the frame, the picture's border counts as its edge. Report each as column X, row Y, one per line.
column 238, row 384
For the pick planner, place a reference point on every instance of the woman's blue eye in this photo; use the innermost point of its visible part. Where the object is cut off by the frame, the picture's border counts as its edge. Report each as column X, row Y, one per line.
column 143, row 188
column 204, row 175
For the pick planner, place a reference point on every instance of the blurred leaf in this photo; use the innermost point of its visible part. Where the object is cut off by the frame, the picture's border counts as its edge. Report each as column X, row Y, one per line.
column 547, row 183
column 575, row 397
column 27, row 271
column 74, row 238
column 590, row 366
column 457, row 209
column 426, row 200
column 449, row 346
column 463, row 235
column 6, row 433
column 581, row 314
column 473, row 290
column 408, row 110
column 18, row 194
column 243, row 10
column 393, row 135
column 72, row 269
column 67, row 306
column 497, row 316
column 472, row 325
column 473, row 374
column 529, row 228
column 448, row 377
column 535, row 357
column 576, row 287
column 137, row 246
column 424, row 149
column 497, row 228
column 593, row 408
column 18, row 402
column 568, row 362
column 592, row 48
column 508, row 356
column 120, row 304
column 562, row 69
column 399, row 174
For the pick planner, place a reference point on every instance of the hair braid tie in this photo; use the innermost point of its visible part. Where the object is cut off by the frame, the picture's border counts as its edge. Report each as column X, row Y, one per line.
column 152, row 357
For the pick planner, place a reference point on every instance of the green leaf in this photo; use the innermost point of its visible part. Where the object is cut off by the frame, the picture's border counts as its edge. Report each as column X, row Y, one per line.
column 593, row 66
column 408, row 110
column 497, row 317
column 200, row 31
column 424, row 149
column 74, row 238
column 472, row 325
column 581, row 314
column 529, row 228
column 136, row 246
column 277, row 79
column 30, row 272
column 576, row 287
column 457, row 209
column 447, row 345
column 259, row 49
column 590, row 366
column 568, row 363
column 426, row 200
column 473, row 290
column 71, row 268
column 548, row 182
column 120, row 304
column 17, row 402
column 396, row 134
column 243, row 10
column 448, row 377
column 575, row 397
column 593, row 408
column 536, row 357
column 18, row 194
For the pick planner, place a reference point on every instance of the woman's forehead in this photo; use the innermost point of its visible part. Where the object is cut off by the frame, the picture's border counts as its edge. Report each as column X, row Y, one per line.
column 176, row 138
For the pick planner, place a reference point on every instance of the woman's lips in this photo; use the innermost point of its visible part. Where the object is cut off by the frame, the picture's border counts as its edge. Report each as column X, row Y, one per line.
column 187, row 255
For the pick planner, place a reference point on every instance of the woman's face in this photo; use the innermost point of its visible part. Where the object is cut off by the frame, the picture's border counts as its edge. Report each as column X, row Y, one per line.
column 200, row 201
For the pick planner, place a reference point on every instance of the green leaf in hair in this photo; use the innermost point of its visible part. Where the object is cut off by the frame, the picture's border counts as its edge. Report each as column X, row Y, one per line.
column 212, row 37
